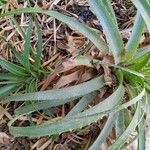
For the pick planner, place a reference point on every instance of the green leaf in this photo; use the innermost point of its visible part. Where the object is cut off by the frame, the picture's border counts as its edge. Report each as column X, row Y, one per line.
column 140, row 63
column 8, row 82
column 121, row 140
column 7, row 89
column 84, row 61
column 130, row 71
column 47, row 104
column 142, row 135
column 107, row 104
column 26, row 52
column 2, row 4
column 22, row 33
column 31, row 87
column 76, row 121
column 125, row 69
column 12, row 68
column 143, row 6
column 105, row 132
column 120, row 123
column 70, row 122
column 13, row 49
column 10, row 77
column 82, row 104
column 133, row 101
column 17, row 55
column 53, row 128
column 19, row 28
column 74, row 91
column 82, row 28
column 141, row 52
column 40, row 105
column 39, row 45
column 135, row 81
column 135, row 37
column 110, row 28
column 110, row 10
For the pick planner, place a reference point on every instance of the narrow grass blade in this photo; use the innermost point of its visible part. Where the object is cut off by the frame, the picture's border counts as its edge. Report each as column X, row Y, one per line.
column 131, row 71
column 12, row 68
column 9, row 77
column 13, row 49
column 17, row 55
column 74, row 91
column 7, row 89
column 110, row 28
column 19, row 28
column 82, row 28
column 143, row 6
column 141, row 52
column 26, row 52
column 39, row 45
column 22, row 33
column 140, row 63
column 31, row 87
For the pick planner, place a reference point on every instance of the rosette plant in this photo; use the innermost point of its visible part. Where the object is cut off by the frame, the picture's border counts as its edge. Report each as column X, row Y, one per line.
column 126, row 109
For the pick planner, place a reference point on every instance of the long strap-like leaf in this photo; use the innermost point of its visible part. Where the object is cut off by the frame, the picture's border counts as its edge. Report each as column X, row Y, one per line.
column 82, row 104
column 105, row 132
column 64, row 93
column 110, row 28
column 121, row 140
column 135, row 37
column 85, row 30
column 52, row 103
column 76, row 121
column 143, row 6
column 12, row 68
column 141, row 52
column 7, row 89
column 26, row 52
column 70, row 122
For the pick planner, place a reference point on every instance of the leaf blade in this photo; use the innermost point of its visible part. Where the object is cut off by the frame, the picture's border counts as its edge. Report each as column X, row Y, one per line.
column 12, row 68
column 143, row 6
column 26, row 52
column 110, row 28
column 134, row 39
column 74, row 91
column 86, row 31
